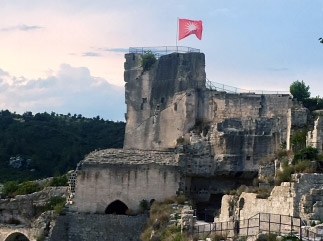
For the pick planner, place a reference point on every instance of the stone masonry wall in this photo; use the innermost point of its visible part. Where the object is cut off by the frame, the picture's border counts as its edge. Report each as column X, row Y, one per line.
column 303, row 197
column 127, row 176
column 84, row 227
column 244, row 128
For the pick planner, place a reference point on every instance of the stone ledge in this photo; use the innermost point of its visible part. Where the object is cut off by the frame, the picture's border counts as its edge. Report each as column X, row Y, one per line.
column 133, row 157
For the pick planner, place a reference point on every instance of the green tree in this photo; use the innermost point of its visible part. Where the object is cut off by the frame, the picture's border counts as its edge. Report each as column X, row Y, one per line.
column 299, row 90
column 148, row 59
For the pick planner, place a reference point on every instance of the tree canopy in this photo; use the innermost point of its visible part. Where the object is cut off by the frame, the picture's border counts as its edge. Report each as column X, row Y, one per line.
column 299, row 90
column 51, row 144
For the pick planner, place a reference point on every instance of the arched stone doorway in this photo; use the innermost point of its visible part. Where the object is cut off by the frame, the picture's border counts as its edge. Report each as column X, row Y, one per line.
column 17, row 237
column 116, row 207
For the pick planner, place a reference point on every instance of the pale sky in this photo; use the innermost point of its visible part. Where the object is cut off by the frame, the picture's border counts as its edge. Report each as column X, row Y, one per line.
column 67, row 56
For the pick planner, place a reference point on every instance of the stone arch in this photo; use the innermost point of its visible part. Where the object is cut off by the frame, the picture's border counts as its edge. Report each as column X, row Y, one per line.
column 17, row 236
column 116, row 207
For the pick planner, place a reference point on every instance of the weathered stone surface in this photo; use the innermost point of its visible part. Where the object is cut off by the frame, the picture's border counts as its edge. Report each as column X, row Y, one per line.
column 84, row 227
column 315, row 137
column 228, row 132
column 162, row 102
column 125, row 175
column 301, row 198
column 23, row 208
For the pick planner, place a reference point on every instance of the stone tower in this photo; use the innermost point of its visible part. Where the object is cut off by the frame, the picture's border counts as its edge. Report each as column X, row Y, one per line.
column 162, row 102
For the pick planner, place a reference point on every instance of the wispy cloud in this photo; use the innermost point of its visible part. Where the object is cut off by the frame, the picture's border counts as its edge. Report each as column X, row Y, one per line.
column 118, row 50
column 91, row 54
column 3, row 73
column 21, row 27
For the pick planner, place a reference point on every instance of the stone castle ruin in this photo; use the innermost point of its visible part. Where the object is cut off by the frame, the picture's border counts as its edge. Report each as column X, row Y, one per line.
column 184, row 136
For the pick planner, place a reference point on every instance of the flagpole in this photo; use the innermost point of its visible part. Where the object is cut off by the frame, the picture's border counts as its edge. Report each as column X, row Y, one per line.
column 177, row 35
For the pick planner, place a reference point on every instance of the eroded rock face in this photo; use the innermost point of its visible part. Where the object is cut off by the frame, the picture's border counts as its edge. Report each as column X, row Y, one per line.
column 23, row 209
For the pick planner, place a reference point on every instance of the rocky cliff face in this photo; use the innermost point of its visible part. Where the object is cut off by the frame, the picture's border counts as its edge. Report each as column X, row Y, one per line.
column 24, row 209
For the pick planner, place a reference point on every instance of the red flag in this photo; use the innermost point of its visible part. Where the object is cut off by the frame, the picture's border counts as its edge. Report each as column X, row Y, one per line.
column 188, row 27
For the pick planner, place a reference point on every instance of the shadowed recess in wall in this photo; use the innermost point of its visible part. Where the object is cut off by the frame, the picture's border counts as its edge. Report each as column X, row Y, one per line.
column 16, row 237
column 116, row 207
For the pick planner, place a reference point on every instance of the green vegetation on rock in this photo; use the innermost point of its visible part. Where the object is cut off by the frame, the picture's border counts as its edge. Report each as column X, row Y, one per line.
column 148, row 59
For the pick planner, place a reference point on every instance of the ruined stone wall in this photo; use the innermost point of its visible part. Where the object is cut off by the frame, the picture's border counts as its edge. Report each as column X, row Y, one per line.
column 127, row 176
column 169, row 105
column 281, row 201
column 23, row 208
column 247, row 205
column 309, row 197
column 298, row 119
column 84, row 227
column 245, row 128
column 315, row 137
column 303, row 197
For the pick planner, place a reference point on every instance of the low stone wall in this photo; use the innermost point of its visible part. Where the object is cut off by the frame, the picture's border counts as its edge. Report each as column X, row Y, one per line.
column 303, row 198
column 84, row 227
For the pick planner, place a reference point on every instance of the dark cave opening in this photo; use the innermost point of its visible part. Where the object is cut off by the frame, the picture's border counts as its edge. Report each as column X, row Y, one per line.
column 17, row 237
column 116, row 207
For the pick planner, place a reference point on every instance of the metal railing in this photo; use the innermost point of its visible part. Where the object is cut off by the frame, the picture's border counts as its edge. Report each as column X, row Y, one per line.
column 230, row 89
column 163, row 50
column 282, row 225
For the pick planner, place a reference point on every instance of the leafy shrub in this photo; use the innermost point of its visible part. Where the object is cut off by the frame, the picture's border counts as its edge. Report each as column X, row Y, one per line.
column 267, row 237
column 59, row 181
column 148, row 59
column 281, row 153
column 143, row 205
column 298, row 139
column 306, row 153
column 290, row 237
column 217, row 237
column 9, row 188
column 241, row 189
column 284, row 175
column 40, row 238
column 56, row 204
column 159, row 221
column 264, row 192
column 27, row 188
column 304, row 166
column 175, row 199
column 312, row 104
